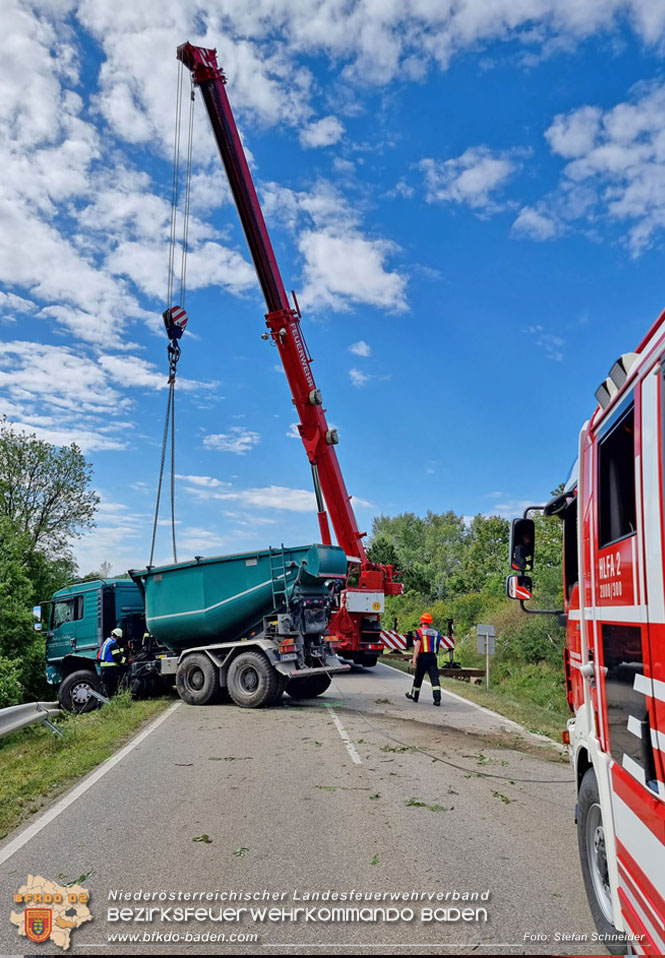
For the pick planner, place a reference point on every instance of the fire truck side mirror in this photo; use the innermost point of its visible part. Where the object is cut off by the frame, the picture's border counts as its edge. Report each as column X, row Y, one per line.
column 519, row 587
column 522, row 537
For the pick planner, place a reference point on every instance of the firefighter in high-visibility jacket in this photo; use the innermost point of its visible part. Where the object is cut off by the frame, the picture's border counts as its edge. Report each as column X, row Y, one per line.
column 112, row 661
column 425, row 650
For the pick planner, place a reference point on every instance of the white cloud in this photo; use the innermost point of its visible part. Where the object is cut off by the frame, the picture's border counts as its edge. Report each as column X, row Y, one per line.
column 575, row 134
column 362, row 503
column 341, row 265
column 31, row 373
column 274, row 497
column 293, row 431
column 615, row 171
column 323, row 132
column 209, row 264
column 551, row 344
column 193, row 540
column 265, row 497
column 120, row 537
column 86, row 439
column 511, row 508
column 401, row 188
column 358, row 378
column 361, row 348
column 203, row 482
column 471, row 178
column 10, row 304
column 237, row 440
column 133, row 371
column 536, row 223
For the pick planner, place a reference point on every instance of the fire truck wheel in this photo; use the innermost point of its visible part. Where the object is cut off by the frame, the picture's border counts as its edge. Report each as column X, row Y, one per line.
column 308, row 688
column 197, row 680
column 252, row 681
column 74, row 692
column 593, row 858
column 369, row 661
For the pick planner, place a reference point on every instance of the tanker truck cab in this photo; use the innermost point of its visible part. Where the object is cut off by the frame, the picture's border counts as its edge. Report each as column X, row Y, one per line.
column 614, row 562
column 81, row 617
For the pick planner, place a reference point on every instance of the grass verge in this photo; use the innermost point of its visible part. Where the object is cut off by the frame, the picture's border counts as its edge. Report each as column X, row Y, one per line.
column 518, row 696
column 36, row 764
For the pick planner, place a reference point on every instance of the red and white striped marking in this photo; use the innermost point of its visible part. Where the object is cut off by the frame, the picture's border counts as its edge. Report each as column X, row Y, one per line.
column 179, row 316
column 393, row 640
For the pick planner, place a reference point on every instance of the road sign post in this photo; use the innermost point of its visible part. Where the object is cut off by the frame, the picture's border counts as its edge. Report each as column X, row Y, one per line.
column 486, row 635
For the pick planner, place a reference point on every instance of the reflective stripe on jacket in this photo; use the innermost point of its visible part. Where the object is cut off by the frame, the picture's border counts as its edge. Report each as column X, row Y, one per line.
column 110, row 653
column 430, row 639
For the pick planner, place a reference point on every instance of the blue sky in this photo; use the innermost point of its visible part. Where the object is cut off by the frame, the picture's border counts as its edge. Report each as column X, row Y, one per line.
column 469, row 200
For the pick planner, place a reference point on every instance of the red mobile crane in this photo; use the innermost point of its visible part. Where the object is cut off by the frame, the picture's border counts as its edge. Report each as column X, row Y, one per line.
column 356, row 626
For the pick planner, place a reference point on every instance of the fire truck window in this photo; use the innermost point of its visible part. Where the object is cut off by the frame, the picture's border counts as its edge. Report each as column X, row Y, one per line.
column 570, row 546
column 626, row 707
column 616, row 484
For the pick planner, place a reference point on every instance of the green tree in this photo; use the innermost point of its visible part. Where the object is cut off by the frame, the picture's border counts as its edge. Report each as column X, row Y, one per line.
column 44, row 491
column 485, row 558
column 21, row 647
column 428, row 550
column 383, row 551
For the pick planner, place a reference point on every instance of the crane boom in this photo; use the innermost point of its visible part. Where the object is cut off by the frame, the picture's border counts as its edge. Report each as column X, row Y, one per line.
column 283, row 322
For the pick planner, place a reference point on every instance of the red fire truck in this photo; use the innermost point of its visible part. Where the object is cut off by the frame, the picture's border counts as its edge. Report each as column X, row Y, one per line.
column 613, row 516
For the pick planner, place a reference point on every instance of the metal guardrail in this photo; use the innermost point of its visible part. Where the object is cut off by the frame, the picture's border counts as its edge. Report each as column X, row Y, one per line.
column 21, row 716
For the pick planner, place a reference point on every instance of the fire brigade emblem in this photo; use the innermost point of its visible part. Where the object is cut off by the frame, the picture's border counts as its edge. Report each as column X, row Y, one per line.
column 38, row 923
column 46, row 911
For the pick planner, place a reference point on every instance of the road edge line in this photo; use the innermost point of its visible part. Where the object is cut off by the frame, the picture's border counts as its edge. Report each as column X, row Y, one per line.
column 35, row 827
column 344, row 735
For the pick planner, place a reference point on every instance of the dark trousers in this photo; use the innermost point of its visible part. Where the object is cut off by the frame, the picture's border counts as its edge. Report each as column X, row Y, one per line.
column 111, row 675
column 426, row 664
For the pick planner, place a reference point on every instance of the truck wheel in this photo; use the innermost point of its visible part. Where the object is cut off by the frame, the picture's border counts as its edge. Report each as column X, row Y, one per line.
column 74, row 692
column 593, row 858
column 309, row 687
column 197, row 680
column 369, row 661
column 282, row 681
column 252, row 681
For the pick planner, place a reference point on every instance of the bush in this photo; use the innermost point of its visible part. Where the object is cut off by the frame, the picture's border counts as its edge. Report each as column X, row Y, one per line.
column 11, row 691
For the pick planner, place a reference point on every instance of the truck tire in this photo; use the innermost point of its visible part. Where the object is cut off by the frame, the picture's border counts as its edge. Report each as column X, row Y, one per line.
column 252, row 681
column 74, row 692
column 308, row 687
column 591, row 841
column 197, row 680
column 369, row 661
column 282, row 682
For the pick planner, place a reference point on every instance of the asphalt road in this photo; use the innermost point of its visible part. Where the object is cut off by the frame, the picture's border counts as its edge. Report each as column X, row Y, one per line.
column 358, row 791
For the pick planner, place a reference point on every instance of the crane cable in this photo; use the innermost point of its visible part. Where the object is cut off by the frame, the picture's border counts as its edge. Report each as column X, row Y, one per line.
column 175, row 317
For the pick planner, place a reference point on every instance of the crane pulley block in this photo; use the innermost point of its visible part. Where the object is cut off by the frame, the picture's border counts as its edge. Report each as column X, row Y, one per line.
column 175, row 320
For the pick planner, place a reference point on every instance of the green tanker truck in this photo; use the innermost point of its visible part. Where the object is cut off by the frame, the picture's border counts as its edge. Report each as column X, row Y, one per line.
column 247, row 626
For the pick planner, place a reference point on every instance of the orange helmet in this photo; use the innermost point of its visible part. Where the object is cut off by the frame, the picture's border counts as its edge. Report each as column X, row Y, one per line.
column 426, row 617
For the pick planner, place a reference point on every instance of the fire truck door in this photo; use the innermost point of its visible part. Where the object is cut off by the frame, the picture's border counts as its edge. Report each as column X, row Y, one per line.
column 629, row 602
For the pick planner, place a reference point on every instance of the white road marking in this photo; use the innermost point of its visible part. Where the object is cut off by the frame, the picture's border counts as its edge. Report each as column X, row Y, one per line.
column 344, row 736
column 33, row 829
